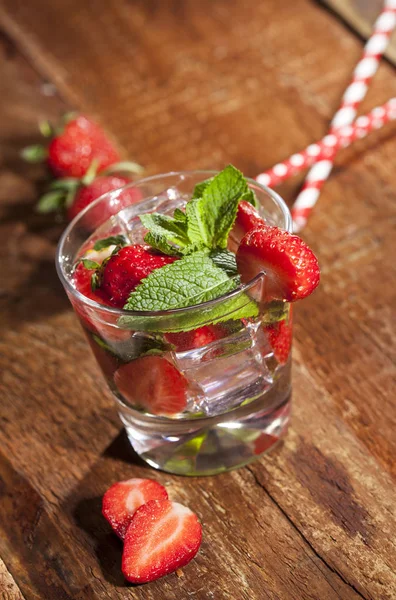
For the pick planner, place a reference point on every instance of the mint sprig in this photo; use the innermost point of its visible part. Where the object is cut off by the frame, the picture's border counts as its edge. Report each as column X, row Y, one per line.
column 206, row 270
column 209, row 216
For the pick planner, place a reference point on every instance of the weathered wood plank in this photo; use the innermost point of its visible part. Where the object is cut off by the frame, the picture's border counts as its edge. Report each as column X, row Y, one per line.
column 196, row 85
column 8, row 587
column 360, row 15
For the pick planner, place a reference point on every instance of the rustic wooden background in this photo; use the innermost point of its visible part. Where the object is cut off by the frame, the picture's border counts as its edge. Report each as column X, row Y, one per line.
column 187, row 84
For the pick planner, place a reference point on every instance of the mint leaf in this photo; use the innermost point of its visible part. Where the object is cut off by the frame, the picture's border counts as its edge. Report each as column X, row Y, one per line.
column 211, row 217
column 179, row 215
column 200, row 188
column 225, row 260
column 166, row 229
column 90, row 264
column 251, row 197
column 159, row 242
column 189, row 281
column 112, row 240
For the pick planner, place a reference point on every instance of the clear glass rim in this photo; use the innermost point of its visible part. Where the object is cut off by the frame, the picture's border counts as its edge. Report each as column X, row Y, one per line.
column 173, row 311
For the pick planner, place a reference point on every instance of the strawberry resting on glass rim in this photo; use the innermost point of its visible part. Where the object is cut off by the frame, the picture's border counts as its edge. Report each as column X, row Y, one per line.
column 217, row 242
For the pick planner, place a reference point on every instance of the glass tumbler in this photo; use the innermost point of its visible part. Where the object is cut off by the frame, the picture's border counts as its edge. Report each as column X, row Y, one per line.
column 230, row 374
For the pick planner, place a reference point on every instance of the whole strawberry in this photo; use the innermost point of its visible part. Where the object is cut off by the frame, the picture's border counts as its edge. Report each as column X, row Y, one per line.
column 126, row 269
column 74, row 147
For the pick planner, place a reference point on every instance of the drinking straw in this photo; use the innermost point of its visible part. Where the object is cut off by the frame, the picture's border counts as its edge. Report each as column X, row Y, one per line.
column 324, row 151
column 353, row 95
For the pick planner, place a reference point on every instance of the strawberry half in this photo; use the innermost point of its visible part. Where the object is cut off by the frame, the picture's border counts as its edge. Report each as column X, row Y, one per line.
column 153, row 383
column 162, row 537
column 291, row 268
column 122, row 500
column 126, row 269
column 247, row 219
column 280, row 337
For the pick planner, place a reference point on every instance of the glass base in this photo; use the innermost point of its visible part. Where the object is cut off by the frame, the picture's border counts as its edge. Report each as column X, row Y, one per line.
column 206, row 446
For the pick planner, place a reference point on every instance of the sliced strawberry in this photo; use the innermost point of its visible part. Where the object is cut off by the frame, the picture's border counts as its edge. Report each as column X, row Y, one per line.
column 247, row 219
column 122, row 500
column 291, row 268
column 263, row 443
column 125, row 270
column 162, row 537
column 154, row 384
column 82, row 283
column 280, row 337
column 196, row 338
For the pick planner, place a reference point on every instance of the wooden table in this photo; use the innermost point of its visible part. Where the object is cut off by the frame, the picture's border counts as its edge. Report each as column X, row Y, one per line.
column 185, row 84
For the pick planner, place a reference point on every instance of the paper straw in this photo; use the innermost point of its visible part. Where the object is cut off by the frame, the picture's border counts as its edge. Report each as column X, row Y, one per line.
column 325, row 150
column 353, row 95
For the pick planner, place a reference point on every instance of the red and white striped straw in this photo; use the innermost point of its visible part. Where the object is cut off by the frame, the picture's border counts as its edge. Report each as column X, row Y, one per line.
column 327, row 148
column 353, row 95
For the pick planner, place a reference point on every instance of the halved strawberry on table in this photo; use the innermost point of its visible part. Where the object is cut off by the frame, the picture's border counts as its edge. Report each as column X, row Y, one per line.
column 163, row 536
column 291, row 268
column 154, row 384
column 122, row 500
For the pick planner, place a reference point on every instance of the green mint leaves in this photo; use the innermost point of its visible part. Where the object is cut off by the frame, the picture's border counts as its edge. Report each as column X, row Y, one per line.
column 190, row 281
column 206, row 270
column 209, row 216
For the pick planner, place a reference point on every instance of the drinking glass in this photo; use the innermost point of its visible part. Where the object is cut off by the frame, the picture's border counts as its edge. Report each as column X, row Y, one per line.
column 238, row 385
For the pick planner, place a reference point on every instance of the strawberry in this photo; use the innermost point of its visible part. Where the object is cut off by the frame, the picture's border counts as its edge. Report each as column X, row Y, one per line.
column 291, row 268
column 86, row 194
column 280, row 337
column 126, row 269
column 154, row 384
column 122, row 500
column 263, row 443
column 162, row 537
column 82, row 282
column 71, row 152
column 247, row 218
column 196, row 338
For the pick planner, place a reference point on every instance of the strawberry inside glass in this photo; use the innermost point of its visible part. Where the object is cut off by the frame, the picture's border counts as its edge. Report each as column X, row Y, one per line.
column 185, row 297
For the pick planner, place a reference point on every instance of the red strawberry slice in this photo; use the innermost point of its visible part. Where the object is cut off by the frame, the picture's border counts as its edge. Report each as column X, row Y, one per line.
column 263, row 443
column 126, row 269
column 122, row 500
column 71, row 153
column 196, row 338
column 86, row 194
column 162, row 537
column 153, row 383
column 247, row 219
column 280, row 337
column 292, row 270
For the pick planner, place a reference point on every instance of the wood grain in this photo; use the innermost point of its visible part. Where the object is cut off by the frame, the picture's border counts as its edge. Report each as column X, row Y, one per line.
column 182, row 84
column 360, row 15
